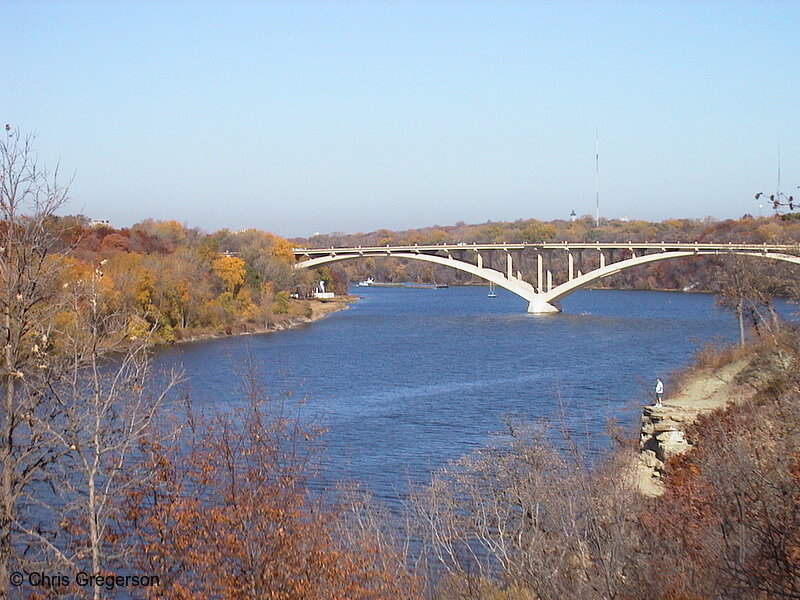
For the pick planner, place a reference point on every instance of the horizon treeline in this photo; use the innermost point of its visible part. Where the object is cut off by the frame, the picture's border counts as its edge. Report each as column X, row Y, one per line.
column 772, row 229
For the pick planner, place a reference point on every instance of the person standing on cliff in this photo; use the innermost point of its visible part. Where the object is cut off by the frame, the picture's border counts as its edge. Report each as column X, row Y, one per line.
column 659, row 391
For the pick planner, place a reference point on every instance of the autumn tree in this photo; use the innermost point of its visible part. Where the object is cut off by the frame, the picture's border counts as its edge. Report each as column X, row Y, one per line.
column 266, row 297
column 103, row 398
column 538, row 232
column 115, row 241
column 282, row 250
column 157, row 236
column 29, row 197
column 267, row 257
column 748, row 287
column 230, row 269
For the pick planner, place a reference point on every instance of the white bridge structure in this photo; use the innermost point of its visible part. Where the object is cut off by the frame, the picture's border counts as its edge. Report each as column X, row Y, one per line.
column 602, row 260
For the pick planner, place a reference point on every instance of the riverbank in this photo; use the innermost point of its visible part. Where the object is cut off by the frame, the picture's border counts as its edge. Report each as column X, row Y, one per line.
column 719, row 379
column 314, row 310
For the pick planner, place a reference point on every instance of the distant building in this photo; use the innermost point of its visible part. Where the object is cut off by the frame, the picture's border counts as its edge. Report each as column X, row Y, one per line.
column 624, row 220
column 99, row 223
column 321, row 294
column 572, row 216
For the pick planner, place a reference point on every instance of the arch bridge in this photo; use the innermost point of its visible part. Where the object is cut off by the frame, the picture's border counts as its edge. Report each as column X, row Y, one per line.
column 586, row 262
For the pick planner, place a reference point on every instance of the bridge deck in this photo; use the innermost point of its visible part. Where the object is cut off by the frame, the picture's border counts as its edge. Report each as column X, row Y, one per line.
column 661, row 246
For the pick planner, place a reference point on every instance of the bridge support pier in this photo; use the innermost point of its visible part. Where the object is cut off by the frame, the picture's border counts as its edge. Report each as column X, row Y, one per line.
column 539, row 306
column 539, row 274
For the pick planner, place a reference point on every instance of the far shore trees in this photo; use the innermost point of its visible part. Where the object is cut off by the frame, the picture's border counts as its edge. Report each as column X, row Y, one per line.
column 698, row 274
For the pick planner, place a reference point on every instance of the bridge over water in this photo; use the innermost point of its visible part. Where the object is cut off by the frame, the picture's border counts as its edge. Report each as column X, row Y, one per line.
column 586, row 262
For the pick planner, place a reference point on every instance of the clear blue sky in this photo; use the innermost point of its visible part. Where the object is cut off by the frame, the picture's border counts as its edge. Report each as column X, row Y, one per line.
column 299, row 117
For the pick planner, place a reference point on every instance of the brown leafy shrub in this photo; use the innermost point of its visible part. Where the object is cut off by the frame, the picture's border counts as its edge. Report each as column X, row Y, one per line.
column 729, row 523
column 228, row 516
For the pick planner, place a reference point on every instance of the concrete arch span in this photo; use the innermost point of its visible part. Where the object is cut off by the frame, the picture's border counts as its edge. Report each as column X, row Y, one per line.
column 568, row 287
column 512, row 284
column 544, row 302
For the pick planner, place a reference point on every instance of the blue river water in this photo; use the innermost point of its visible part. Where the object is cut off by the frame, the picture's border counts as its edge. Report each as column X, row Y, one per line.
column 407, row 379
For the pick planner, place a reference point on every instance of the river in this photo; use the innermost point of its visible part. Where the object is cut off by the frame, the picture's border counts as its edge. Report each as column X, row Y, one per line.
column 406, row 379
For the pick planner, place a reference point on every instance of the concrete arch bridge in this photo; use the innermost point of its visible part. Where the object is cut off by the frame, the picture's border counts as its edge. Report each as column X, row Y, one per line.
column 586, row 262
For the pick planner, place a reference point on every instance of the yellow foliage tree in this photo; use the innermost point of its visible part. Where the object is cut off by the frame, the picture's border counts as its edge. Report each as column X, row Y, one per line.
column 230, row 270
column 436, row 236
column 539, row 232
column 283, row 250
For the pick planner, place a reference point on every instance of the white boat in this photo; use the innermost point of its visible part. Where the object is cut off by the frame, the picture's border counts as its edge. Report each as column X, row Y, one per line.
column 366, row 283
column 491, row 291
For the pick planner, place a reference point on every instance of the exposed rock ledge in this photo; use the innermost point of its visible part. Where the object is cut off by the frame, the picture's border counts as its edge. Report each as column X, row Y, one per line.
column 663, row 428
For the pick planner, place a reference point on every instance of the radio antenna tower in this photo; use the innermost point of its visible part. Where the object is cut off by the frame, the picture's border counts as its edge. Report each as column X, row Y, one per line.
column 597, row 176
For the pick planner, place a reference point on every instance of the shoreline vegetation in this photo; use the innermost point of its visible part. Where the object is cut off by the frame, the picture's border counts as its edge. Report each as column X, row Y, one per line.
column 319, row 309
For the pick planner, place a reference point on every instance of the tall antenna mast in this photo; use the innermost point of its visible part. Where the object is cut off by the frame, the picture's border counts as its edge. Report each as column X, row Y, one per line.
column 597, row 175
column 778, row 191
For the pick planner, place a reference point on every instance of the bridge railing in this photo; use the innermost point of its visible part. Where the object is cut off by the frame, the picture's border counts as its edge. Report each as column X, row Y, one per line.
column 660, row 246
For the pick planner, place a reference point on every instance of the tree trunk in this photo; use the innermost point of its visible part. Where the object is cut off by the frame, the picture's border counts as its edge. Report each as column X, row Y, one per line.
column 740, row 316
column 94, row 534
column 7, row 515
column 7, row 490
